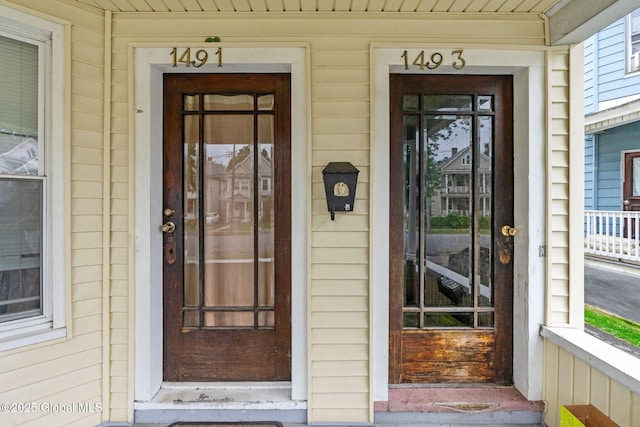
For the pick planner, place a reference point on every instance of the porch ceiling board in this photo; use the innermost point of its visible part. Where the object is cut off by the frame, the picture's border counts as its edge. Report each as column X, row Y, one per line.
column 535, row 7
column 567, row 21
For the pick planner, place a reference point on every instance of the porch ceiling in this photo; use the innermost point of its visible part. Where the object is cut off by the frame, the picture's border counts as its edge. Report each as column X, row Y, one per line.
column 570, row 21
column 456, row 6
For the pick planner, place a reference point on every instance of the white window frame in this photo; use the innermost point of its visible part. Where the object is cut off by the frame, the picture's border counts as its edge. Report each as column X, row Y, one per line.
column 51, row 38
column 265, row 184
column 632, row 61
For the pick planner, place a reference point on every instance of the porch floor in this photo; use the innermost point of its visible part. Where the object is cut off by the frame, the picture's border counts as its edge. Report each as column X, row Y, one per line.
column 407, row 406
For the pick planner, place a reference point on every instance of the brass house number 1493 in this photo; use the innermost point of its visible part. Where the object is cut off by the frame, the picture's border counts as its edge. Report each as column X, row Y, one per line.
column 435, row 60
column 183, row 56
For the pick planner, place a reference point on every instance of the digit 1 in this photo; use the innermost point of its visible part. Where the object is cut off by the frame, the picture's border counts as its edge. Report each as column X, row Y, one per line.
column 174, row 54
column 406, row 60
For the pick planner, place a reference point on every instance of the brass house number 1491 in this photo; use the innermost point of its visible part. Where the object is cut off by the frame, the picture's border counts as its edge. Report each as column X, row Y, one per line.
column 435, row 60
column 183, row 56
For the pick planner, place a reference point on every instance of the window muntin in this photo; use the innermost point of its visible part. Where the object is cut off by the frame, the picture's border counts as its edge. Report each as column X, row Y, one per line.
column 447, row 180
column 229, row 266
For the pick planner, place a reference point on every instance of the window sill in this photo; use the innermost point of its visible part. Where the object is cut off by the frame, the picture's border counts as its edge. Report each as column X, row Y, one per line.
column 618, row 365
column 21, row 337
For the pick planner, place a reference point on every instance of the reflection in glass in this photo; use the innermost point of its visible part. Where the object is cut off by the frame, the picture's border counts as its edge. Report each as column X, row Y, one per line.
column 21, row 248
column 229, row 211
column 448, row 320
column 447, row 202
column 191, row 319
column 265, row 220
column 485, row 103
column 485, row 319
column 410, row 102
column 19, row 118
column 215, row 102
column 412, row 215
column 191, row 184
column 483, row 209
column 451, row 103
column 229, row 249
column 447, row 186
column 411, row 320
column 191, row 103
column 636, row 177
column 266, row 102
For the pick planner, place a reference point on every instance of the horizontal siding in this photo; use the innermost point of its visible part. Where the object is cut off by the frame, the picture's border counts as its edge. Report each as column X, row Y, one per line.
column 611, row 79
column 589, row 171
column 609, row 177
column 558, row 257
column 570, row 381
column 340, row 130
column 590, row 79
column 71, row 371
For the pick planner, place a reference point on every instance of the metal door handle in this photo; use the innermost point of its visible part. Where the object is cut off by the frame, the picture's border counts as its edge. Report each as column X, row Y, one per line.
column 625, row 202
column 168, row 227
column 508, row 231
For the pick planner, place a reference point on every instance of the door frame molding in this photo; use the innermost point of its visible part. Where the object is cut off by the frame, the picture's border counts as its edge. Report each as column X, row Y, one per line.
column 528, row 70
column 623, row 154
column 145, row 192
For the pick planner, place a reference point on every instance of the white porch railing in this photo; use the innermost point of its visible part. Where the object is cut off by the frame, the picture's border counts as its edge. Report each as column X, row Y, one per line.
column 613, row 234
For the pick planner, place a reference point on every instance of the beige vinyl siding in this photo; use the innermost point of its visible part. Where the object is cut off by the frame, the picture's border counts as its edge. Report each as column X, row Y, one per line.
column 338, row 288
column 339, row 322
column 70, row 371
column 570, row 381
column 339, row 297
column 558, row 187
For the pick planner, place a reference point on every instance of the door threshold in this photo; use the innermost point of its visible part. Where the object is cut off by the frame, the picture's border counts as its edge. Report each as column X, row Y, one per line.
column 223, row 396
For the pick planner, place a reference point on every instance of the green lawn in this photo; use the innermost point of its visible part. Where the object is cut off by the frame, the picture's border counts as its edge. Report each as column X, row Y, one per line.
column 623, row 329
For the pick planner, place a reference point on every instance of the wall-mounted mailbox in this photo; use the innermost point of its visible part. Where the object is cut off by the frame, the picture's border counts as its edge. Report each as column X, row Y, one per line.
column 340, row 179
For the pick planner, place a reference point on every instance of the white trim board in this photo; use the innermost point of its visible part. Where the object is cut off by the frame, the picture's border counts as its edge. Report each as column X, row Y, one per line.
column 528, row 70
column 146, row 78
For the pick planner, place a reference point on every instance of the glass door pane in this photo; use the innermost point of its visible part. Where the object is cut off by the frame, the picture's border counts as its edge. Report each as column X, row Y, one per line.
column 448, row 142
column 228, row 211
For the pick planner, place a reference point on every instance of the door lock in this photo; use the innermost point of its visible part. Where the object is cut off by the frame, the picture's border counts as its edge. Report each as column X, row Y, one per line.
column 168, row 227
column 508, row 231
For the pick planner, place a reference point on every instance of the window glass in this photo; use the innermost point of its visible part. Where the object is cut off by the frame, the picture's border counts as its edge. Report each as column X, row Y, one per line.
column 21, row 186
column 633, row 56
column 18, row 107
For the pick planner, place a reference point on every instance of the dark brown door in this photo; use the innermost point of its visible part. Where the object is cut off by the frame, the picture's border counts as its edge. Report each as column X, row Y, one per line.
column 227, row 227
column 451, row 196
column 631, row 191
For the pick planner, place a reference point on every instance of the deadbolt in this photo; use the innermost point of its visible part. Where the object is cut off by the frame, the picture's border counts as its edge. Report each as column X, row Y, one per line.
column 508, row 231
column 168, row 227
column 169, row 212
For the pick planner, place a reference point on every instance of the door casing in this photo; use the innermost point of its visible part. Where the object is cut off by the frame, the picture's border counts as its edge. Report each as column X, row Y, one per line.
column 150, row 65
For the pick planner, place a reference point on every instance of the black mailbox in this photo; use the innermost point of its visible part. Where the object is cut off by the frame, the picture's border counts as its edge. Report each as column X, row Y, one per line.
column 340, row 180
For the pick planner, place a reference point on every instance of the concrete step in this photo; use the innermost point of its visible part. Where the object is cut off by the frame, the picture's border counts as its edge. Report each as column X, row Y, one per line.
column 407, row 406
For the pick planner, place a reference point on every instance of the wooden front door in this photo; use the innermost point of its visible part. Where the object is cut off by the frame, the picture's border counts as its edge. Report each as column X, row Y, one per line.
column 631, row 191
column 227, row 222
column 451, row 262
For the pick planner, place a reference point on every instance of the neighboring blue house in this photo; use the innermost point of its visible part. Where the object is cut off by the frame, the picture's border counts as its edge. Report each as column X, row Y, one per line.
column 612, row 116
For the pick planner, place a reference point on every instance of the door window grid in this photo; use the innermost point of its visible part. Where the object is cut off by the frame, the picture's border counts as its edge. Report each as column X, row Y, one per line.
column 436, row 295
column 227, row 286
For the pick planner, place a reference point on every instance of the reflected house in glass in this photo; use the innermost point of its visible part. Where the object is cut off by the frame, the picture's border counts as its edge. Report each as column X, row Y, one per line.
column 216, row 186
column 237, row 198
column 455, row 194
